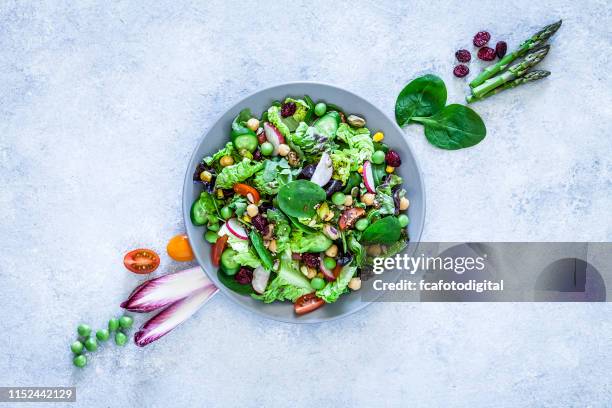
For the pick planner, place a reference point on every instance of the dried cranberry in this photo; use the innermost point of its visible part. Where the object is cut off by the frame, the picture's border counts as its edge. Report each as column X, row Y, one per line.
column 311, row 260
column 463, row 56
column 481, row 38
column 257, row 155
column 288, row 109
column 260, row 223
column 244, row 276
column 296, row 256
column 393, row 158
column 486, row 54
column 461, row 70
column 500, row 49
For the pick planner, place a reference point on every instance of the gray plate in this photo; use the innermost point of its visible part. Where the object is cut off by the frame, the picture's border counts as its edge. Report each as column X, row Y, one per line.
column 218, row 136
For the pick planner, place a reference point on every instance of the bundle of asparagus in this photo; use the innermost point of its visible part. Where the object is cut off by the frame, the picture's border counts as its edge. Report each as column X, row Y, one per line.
column 533, row 50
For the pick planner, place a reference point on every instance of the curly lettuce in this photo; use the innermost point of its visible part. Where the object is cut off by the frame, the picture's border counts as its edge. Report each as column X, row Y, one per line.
column 309, row 242
column 333, row 290
column 301, row 109
column 228, row 150
column 282, row 229
column 357, row 139
column 343, row 164
column 238, row 172
column 289, row 283
column 274, row 117
column 247, row 258
column 357, row 249
column 273, row 176
column 307, row 141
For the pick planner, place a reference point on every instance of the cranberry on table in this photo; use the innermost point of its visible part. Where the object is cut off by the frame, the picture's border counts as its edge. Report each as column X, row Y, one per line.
column 393, row 158
column 500, row 49
column 486, row 54
column 481, row 38
column 461, row 70
column 463, row 56
column 288, row 109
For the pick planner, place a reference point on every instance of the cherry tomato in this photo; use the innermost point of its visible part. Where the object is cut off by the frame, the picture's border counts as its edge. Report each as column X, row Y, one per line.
column 217, row 249
column 141, row 261
column 179, row 249
column 307, row 303
column 245, row 190
column 337, row 270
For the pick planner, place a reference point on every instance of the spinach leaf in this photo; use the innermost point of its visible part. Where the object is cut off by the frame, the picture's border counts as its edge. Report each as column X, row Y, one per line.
column 423, row 96
column 298, row 198
column 384, row 231
column 231, row 283
column 239, row 124
column 454, row 127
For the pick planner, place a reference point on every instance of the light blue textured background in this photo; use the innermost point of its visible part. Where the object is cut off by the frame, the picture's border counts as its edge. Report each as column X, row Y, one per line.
column 101, row 105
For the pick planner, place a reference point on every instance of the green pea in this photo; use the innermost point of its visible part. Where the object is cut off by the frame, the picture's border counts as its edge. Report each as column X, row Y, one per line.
column 320, row 109
column 378, row 157
column 266, row 148
column 362, row 224
column 329, row 263
column 211, row 236
column 125, row 322
column 214, row 227
column 102, row 334
column 113, row 324
column 403, row 220
column 338, row 198
column 91, row 344
column 76, row 347
column 317, row 283
column 120, row 339
column 84, row 330
column 80, row 361
column 226, row 213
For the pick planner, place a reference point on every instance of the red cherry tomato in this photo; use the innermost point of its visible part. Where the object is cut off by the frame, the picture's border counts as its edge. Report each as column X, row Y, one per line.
column 141, row 261
column 217, row 250
column 245, row 190
column 307, row 303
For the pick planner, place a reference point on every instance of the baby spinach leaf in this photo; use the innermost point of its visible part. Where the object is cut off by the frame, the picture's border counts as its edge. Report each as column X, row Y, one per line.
column 422, row 97
column 298, row 198
column 384, row 231
column 231, row 283
column 454, row 127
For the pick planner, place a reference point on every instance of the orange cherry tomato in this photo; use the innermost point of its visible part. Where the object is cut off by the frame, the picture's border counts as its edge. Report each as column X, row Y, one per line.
column 337, row 270
column 217, row 249
column 141, row 261
column 307, row 303
column 245, row 190
column 179, row 249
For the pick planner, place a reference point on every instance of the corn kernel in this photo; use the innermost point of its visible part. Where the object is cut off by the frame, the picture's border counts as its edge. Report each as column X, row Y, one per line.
column 390, row 169
column 246, row 218
column 226, row 161
column 205, row 176
column 360, row 170
column 219, row 193
column 378, row 136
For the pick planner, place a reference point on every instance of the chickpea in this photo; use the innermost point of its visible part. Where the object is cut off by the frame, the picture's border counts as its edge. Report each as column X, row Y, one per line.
column 253, row 124
column 332, row 251
column 374, row 250
column 272, row 247
column 355, row 284
column 367, row 198
column 283, row 149
column 404, row 204
column 252, row 210
column 348, row 201
column 226, row 161
column 304, row 270
column 312, row 272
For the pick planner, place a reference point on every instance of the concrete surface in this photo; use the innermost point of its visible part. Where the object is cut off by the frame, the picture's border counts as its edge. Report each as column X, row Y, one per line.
column 101, row 105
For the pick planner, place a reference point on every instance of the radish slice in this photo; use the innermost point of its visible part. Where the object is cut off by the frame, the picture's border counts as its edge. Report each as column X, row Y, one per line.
column 260, row 279
column 236, row 229
column 273, row 136
column 172, row 316
column 368, row 177
column 329, row 274
column 324, row 170
column 165, row 290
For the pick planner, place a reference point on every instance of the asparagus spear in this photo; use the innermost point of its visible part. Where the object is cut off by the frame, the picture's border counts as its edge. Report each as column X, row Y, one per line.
column 536, row 41
column 515, row 71
column 528, row 77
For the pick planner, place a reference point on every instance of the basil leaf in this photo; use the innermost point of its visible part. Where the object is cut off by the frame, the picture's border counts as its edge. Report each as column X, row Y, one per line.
column 454, row 127
column 422, row 97
column 384, row 231
column 298, row 198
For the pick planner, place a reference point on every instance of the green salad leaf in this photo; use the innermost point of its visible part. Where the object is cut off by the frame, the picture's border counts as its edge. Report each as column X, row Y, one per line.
column 423, row 96
column 239, row 124
column 282, row 229
column 308, row 142
column 454, row 127
column 238, row 172
column 309, row 242
column 275, row 174
column 289, row 283
column 247, row 258
column 384, row 231
column 357, row 249
column 231, row 283
column 228, row 150
column 274, row 116
column 332, row 290
column 357, row 139
column 298, row 198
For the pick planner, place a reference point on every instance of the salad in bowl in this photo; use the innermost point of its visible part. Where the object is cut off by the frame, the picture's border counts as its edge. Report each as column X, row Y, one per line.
column 298, row 202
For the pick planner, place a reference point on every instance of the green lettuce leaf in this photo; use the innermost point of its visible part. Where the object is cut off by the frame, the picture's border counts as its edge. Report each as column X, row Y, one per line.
column 238, row 172
column 332, row 291
column 303, row 242
column 301, row 109
column 247, row 258
column 357, row 249
column 228, row 150
column 210, row 205
column 282, row 229
column 306, row 140
column 274, row 175
column 289, row 283
column 274, row 116
column 357, row 139
column 342, row 163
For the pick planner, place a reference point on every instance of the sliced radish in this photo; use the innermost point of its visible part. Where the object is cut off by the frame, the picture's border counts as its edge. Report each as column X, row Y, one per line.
column 368, row 177
column 329, row 274
column 273, row 136
column 260, row 279
column 324, row 170
column 236, row 229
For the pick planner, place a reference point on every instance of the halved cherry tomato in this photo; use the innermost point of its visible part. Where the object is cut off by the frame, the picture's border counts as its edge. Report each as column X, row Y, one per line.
column 337, row 270
column 179, row 249
column 217, row 249
column 307, row 303
column 141, row 261
column 245, row 190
